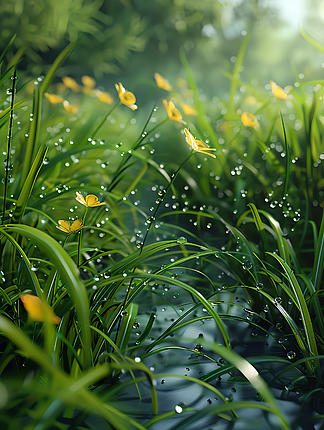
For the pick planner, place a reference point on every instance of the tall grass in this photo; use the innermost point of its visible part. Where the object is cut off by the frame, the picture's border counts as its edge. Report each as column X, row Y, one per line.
column 241, row 246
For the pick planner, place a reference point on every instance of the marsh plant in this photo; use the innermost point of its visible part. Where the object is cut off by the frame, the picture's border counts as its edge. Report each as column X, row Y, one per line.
column 177, row 245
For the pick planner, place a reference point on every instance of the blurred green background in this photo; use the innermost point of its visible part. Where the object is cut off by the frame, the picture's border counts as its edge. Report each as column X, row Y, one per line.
column 128, row 39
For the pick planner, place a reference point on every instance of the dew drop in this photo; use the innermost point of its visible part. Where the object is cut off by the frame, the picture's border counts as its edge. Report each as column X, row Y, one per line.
column 181, row 240
column 247, row 265
column 291, row 355
column 180, row 407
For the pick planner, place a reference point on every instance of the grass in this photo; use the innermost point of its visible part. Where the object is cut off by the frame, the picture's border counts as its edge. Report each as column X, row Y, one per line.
column 234, row 242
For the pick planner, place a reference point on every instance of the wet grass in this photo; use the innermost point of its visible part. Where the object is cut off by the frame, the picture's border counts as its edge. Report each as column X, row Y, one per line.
column 137, row 242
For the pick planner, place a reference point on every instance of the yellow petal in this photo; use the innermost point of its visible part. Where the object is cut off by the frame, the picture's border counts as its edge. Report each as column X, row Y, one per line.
column 126, row 97
column 198, row 145
column 80, row 198
column 120, row 89
column 76, row 225
column 161, row 82
column 203, row 148
column 190, row 139
column 249, row 120
column 63, row 225
column 92, row 201
column 69, row 108
column 172, row 112
column 53, row 98
column 188, row 110
column 35, row 309
column 106, row 98
column 88, row 81
column 277, row 91
column 71, row 83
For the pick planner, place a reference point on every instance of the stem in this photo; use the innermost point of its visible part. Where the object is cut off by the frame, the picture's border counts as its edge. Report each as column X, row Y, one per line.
column 80, row 237
column 105, row 118
column 65, row 240
column 134, row 147
column 8, row 147
column 173, row 178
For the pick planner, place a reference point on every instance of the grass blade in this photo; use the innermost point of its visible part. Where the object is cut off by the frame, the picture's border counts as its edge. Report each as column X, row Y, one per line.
column 69, row 274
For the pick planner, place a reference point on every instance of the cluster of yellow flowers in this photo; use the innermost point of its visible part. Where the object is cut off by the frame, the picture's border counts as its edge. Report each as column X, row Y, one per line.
column 87, row 88
column 91, row 201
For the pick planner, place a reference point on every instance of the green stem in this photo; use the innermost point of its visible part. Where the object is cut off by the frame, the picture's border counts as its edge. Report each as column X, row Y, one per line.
column 80, row 237
column 65, row 240
column 134, row 147
column 173, row 178
column 105, row 119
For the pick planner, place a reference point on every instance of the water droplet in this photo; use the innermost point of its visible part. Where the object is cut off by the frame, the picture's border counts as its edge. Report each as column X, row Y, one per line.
column 247, row 265
column 136, row 324
column 291, row 355
column 162, row 381
column 180, row 407
column 278, row 300
column 181, row 240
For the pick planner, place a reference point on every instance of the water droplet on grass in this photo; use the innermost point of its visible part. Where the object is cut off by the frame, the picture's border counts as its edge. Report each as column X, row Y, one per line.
column 181, row 240
column 180, row 407
column 247, row 265
column 291, row 355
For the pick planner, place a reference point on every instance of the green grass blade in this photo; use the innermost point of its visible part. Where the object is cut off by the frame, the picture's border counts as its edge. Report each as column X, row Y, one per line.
column 28, row 185
column 7, row 47
column 69, row 274
column 57, row 63
column 282, row 243
column 288, row 157
column 302, row 306
column 259, row 225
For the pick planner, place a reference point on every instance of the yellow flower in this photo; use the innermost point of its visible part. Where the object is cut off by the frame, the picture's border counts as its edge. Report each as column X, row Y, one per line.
column 249, row 120
column 35, row 309
column 53, row 98
column 71, row 83
column 67, row 228
column 105, row 97
column 126, row 97
column 88, row 81
column 161, row 82
column 69, row 108
column 198, row 145
column 277, row 91
column 173, row 112
column 91, row 201
column 188, row 110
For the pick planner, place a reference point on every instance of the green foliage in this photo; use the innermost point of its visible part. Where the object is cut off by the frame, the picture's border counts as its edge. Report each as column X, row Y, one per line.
column 143, row 254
